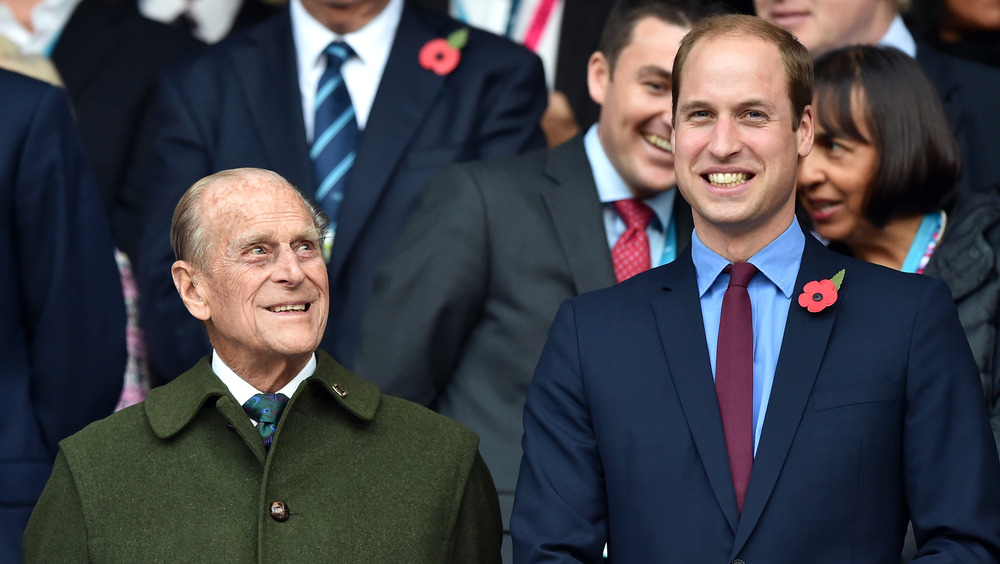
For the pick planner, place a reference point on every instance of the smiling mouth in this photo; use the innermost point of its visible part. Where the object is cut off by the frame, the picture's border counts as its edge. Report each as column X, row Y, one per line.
column 657, row 141
column 727, row 179
column 284, row 308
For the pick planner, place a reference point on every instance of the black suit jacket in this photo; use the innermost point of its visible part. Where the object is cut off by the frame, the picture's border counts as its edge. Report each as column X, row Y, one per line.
column 875, row 415
column 969, row 93
column 465, row 298
column 108, row 56
column 62, row 317
column 239, row 105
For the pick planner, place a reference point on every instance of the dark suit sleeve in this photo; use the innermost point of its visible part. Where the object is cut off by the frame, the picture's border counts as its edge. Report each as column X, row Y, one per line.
column 428, row 293
column 560, row 507
column 57, row 530
column 478, row 528
column 951, row 470
column 71, row 294
column 177, row 154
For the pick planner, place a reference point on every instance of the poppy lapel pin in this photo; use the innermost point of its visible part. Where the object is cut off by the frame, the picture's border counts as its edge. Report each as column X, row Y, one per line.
column 821, row 294
column 441, row 55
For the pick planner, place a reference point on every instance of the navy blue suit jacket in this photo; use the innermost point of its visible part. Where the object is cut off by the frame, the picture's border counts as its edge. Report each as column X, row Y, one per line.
column 876, row 414
column 238, row 105
column 62, row 316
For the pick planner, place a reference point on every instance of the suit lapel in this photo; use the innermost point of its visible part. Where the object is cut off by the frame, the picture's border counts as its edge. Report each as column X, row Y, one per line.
column 575, row 210
column 679, row 319
column 264, row 58
column 404, row 97
column 802, row 350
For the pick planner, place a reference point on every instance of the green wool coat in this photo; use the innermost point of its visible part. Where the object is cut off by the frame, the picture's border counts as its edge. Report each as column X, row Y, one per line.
column 184, row 477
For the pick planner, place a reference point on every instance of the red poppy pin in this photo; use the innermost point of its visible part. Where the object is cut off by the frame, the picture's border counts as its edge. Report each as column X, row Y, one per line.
column 820, row 294
column 441, row 55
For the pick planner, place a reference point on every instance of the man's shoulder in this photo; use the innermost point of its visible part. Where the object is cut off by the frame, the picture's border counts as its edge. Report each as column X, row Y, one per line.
column 518, row 173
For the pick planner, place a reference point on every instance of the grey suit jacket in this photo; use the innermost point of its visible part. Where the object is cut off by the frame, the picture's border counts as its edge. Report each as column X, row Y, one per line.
column 463, row 302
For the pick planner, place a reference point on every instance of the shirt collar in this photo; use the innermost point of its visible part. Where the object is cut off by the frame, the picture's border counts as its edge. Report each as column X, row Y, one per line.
column 779, row 261
column 371, row 43
column 48, row 18
column 242, row 390
column 611, row 187
column 899, row 37
column 213, row 18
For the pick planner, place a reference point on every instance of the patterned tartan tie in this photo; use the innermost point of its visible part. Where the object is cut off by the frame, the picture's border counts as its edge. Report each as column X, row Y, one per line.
column 734, row 376
column 335, row 136
column 630, row 255
column 266, row 409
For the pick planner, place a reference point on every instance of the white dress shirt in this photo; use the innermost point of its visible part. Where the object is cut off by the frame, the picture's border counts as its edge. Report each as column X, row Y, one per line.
column 242, row 390
column 48, row 18
column 212, row 18
column 362, row 73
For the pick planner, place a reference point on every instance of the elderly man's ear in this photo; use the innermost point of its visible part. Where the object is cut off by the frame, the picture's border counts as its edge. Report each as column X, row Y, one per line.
column 192, row 293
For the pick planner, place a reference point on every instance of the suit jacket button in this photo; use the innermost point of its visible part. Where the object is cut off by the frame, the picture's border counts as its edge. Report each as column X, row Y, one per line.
column 738, row 561
column 279, row 511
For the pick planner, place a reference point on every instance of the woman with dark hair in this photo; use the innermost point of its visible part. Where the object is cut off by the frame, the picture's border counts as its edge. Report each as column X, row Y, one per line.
column 879, row 184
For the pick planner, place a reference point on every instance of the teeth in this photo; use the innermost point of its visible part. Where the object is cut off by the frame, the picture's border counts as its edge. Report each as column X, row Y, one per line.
column 279, row 309
column 658, row 141
column 728, row 179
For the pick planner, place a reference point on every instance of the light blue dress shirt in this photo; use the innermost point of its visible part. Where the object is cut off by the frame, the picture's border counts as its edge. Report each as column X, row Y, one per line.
column 771, row 292
column 611, row 188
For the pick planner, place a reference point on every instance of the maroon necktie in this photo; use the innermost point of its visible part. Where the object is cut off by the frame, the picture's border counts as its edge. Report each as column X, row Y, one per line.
column 734, row 376
column 630, row 254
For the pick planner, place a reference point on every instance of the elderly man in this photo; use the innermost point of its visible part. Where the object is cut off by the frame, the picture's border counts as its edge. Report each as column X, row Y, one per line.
column 334, row 471
column 747, row 403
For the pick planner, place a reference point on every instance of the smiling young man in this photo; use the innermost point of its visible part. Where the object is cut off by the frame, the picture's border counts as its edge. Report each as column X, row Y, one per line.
column 267, row 450
column 463, row 302
column 709, row 411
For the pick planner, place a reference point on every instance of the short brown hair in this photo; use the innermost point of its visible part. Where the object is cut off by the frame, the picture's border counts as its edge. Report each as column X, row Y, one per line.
column 794, row 57
column 626, row 14
column 189, row 234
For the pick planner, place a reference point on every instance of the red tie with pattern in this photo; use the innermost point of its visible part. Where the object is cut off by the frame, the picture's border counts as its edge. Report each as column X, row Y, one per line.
column 734, row 376
column 630, row 254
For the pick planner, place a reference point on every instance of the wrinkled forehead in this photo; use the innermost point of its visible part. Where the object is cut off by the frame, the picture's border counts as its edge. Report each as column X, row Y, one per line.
column 237, row 207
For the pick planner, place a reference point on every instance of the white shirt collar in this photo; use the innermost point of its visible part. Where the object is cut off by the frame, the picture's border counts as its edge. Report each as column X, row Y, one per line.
column 899, row 37
column 611, row 187
column 242, row 390
column 213, row 18
column 48, row 19
column 371, row 44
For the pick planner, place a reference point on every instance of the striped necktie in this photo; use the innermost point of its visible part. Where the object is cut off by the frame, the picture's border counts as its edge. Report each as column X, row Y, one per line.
column 335, row 136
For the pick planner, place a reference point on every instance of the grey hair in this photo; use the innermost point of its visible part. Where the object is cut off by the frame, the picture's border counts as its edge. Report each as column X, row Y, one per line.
column 189, row 235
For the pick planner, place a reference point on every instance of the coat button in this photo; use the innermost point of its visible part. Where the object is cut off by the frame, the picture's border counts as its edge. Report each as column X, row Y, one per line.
column 738, row 561
column 279, row 511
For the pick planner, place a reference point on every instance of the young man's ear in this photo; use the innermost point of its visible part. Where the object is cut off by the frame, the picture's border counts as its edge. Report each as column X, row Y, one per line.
column 193, row 294
column 598, row 76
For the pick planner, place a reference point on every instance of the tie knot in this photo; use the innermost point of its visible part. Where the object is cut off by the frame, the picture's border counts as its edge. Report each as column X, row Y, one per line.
column 635, row 213
column 336, row 53
column 265, row 408
column 740, row 273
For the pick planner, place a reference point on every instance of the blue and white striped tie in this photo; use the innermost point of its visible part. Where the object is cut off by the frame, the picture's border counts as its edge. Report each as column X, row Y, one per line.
column 335, row 135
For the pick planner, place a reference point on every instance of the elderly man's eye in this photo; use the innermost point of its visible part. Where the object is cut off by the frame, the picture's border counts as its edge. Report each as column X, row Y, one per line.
column 258, row 250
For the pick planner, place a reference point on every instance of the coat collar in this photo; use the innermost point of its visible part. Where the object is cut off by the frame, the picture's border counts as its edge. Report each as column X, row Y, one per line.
column 263, row 59
column 570, row 196
column 172, row 407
